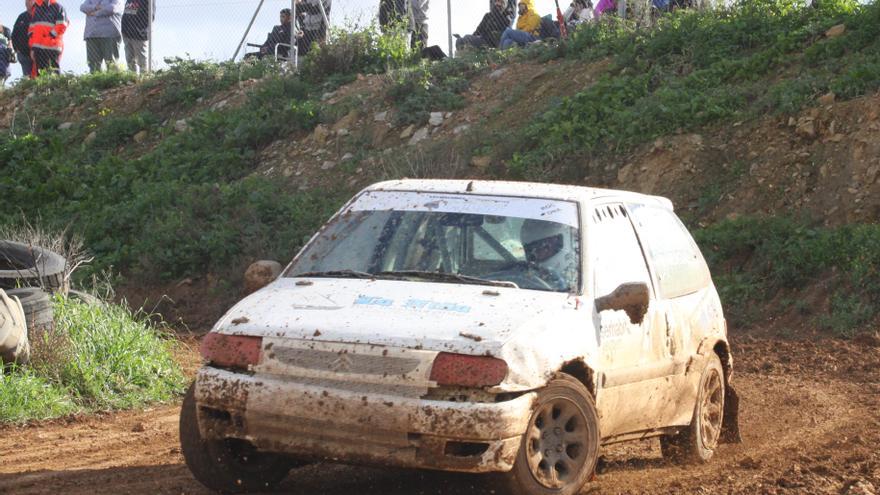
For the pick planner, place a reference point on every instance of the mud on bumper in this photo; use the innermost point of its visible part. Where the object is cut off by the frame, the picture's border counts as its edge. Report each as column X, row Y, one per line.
column 321, row 423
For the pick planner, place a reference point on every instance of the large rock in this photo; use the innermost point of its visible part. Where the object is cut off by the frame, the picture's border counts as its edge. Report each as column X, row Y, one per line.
column 419, row 136
column 347, row 122
column 835, row 31
column 320, row 135
column 260, row 274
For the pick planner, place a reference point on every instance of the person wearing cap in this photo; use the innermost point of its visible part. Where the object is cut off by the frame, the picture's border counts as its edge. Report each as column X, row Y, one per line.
column 103, row 33
column 528, row 27
column 136, row 33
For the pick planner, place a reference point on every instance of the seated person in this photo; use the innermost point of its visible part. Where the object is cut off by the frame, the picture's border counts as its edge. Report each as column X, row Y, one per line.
column 488, row 32
column 549, row 253
column 604, row 7
column 279, row 35
column 528, row 27
column 579, row 12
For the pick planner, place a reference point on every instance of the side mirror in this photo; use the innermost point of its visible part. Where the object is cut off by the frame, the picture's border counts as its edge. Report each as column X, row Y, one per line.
column 630, row 297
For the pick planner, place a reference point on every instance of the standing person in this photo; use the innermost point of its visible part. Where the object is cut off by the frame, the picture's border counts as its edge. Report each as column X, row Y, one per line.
column 103, row 32
column 419, row 26
column 488, row 32
column 7, row 54
column 314, row 29
column 136, row 33
column 20, row 39
column 528, row 27
column 46, row 36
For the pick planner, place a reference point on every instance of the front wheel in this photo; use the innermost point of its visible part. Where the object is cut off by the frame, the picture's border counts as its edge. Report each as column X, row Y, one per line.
column 698, row 442
column 229, row 465
column 559, row 450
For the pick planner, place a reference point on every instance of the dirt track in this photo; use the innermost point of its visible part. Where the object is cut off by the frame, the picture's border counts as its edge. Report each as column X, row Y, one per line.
column 810, row 419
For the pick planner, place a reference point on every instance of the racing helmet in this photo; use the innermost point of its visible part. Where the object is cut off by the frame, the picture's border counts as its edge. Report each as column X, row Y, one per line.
column 545, row 244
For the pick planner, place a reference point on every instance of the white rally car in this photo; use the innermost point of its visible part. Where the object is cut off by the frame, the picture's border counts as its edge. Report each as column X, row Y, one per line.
column 469, row 326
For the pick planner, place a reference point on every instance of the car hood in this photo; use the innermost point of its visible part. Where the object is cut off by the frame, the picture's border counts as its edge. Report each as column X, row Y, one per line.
column 462, row 318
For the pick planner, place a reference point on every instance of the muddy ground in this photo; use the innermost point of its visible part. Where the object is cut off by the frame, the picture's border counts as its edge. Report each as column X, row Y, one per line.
column 810, row 420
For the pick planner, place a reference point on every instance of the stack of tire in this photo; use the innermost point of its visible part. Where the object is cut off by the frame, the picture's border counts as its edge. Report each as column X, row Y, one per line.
column 26, row 273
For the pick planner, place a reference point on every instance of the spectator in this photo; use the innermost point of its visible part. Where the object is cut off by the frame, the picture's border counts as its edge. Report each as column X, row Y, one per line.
column 20, row 39
column 579, row 12
column 279, row 37
column 413, row 12
column 136, row 33
column 528, row 27
column 46, row 36
column 103, row 32
column 7, row 54
column 314, row 29
column 602, row 7
column 488, row 32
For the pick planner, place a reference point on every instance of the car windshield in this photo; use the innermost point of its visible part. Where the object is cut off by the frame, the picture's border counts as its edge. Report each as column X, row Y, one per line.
column 529, row 243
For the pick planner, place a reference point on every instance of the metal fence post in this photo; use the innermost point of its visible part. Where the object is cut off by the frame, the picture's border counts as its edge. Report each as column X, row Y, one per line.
column 294, row 48
column 248, row 30
column 150, row 15
column 449, row 26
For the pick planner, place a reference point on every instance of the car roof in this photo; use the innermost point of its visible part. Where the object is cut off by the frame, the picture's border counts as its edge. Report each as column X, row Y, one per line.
column 522, row 189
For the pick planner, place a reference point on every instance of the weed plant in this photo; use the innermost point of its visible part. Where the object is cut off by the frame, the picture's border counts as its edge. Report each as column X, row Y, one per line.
column 98, row 357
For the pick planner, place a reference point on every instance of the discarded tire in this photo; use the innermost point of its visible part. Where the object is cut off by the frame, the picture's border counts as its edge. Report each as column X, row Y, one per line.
column 31, row 266
column 37, row 308
column 84, row 297
column 14, row 346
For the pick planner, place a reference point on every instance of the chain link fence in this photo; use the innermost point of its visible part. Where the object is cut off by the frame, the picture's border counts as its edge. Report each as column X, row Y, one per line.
column 154, row 31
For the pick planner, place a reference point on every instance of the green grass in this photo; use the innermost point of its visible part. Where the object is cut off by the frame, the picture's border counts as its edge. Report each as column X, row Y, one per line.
column 754, row 259
column 699, row 68
column 99, row 357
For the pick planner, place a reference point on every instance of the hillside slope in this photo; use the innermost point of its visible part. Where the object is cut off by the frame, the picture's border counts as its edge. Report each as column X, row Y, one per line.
column 760, row 122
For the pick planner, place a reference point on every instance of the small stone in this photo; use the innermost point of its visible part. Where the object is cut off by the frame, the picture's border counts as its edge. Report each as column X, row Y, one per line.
column 835, row 31
column 827, row 99
column 806, row 128
column 408, row 132
column 348, row 156
column 436, row 119
column 288, row 171
column 328, row 165
column 260, row 274
column 65, row 126
column 481, row 162
column 220, row 104
column 347, row 122
column 497, row 74
column 91, row 138
column 419, row 136
column 320, row 135
column 181, row 125
column 342, row 132
column 461, row 128
column 327, row 96
column 381, row 117
column 139, row 427
column 141, row 137
column 792, row 122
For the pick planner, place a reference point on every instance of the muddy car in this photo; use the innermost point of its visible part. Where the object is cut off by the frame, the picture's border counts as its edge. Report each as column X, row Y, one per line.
column 482, row 327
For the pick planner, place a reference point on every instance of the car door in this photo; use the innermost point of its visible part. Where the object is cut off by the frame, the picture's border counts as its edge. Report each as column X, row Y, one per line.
column 630, row 380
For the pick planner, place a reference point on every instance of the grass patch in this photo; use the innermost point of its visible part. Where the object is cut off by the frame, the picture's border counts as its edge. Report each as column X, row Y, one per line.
column 753, row 259
column 99, row 357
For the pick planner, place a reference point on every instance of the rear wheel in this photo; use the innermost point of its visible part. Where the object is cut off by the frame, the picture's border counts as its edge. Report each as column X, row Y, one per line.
column 559, row 450
column 229, row 465
column 698, row 442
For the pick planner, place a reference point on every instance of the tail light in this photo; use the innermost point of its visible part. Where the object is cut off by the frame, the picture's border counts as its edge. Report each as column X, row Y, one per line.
column 231, row 351
column 467, row 371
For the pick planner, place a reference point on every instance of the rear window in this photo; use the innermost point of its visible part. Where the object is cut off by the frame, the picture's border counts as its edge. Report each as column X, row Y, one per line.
column 676, row 259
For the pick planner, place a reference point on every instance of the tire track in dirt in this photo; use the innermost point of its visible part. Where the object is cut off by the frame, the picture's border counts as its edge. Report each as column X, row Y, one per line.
column 809, row 417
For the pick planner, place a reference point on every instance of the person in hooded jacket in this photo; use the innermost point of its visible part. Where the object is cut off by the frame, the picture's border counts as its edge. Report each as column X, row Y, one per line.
column 488, row 32
column 103, row 32
column 528, row 27
column 20, row 39
column 46, row 36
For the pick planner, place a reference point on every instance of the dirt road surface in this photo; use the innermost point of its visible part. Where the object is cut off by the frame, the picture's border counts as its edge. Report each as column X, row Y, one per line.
column 810, row 419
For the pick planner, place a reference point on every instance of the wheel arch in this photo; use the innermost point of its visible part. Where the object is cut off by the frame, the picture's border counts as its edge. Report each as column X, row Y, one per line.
column 578, row 369
column 730, row 423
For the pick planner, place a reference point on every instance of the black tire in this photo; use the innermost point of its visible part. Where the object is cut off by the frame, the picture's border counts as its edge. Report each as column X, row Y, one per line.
column 558, row 452
column 31, row 266
column 226, row 466
column 38, row 312
column 697, row 443
column 84, row 297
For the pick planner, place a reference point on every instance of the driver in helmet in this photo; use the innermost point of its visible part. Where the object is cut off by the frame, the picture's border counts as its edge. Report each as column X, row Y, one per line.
column 546, row 251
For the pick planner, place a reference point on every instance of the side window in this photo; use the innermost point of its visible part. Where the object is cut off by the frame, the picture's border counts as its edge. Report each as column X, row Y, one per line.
column 674, row 255
column 616, row 254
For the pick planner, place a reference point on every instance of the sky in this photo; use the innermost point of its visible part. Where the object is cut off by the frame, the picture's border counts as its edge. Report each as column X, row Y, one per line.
column 212, row 29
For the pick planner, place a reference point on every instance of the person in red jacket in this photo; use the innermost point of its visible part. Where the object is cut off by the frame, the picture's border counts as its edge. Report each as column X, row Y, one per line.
column 46, row 35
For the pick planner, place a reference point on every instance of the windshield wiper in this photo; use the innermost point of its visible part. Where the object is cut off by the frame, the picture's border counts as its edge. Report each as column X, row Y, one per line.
column 448, row 277
column 337, row 274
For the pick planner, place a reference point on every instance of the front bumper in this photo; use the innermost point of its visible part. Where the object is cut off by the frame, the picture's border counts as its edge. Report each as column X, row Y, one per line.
column 315, row 422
